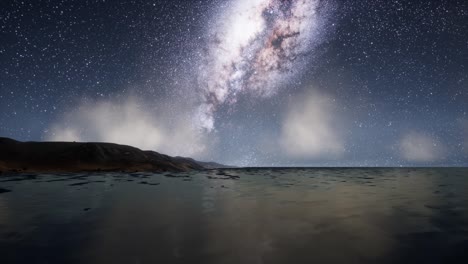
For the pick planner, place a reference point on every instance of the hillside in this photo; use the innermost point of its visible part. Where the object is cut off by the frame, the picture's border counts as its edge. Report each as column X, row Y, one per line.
column 74, row 156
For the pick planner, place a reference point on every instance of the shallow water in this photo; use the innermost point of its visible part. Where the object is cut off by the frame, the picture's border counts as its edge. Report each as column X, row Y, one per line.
column 237, row 216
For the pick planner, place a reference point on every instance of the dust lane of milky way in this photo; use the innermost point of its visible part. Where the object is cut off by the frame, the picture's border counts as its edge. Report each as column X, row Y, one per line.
column 254, row 47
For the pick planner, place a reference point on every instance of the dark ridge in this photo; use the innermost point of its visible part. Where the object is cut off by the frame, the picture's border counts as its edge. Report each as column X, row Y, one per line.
column 16, row 156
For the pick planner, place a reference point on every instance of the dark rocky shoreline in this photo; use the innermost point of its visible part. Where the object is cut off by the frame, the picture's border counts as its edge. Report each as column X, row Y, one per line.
column 16, row 156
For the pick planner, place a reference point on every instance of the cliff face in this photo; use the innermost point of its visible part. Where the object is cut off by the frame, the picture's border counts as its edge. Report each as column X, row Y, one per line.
column 73, row 157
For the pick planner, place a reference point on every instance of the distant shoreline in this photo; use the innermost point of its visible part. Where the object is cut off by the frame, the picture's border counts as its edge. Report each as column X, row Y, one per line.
column 16, row 156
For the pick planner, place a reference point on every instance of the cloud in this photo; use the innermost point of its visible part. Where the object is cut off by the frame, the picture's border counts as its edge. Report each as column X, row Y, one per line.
column 311, row 129
column 167, row 129
column 420, row 147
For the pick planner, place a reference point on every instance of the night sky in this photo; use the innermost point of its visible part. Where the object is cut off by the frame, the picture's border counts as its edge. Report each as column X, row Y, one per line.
column 242, row 82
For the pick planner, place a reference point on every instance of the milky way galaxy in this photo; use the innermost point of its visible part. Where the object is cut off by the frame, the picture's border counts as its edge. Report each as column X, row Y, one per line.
column 254, row 47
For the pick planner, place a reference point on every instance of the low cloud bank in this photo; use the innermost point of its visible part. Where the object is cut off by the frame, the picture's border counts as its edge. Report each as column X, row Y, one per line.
column 420, row 147
column 311, row 129
column 168, row 130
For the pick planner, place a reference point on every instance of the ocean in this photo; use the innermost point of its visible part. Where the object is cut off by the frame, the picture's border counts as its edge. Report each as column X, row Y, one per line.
column 251, row 215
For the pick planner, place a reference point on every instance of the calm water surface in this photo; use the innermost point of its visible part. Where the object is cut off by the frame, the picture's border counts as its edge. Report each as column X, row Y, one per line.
column 237, row 216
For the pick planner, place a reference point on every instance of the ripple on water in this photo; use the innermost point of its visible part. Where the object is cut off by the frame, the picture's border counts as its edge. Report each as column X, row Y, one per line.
column 282, row 215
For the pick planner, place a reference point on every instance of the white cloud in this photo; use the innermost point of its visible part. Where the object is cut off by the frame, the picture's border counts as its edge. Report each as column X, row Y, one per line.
column 420, row 147
column 311, row 128
column 168, row 130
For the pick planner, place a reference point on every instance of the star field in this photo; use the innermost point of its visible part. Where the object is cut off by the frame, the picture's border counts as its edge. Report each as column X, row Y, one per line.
column 377, row 83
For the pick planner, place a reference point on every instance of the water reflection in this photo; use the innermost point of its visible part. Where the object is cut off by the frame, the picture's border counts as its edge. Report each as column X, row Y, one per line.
column 238, row 216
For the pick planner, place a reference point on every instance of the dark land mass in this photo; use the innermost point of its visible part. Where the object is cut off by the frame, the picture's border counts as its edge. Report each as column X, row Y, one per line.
column 19, row 156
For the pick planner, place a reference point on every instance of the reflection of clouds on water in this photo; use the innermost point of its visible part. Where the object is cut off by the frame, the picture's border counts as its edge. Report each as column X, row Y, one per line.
column 239, row 227
column 150, row 224
column 265, row 216
column 359, row 215
column 236, row 226
column 365, row 207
